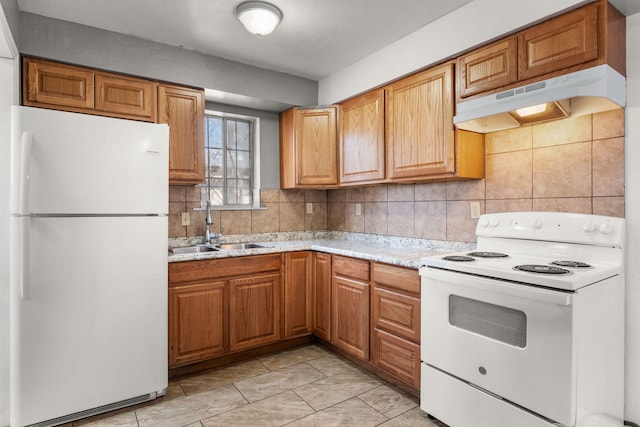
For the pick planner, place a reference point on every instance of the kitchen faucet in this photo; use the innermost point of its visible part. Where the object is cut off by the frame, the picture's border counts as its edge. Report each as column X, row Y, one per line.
column 210, row 237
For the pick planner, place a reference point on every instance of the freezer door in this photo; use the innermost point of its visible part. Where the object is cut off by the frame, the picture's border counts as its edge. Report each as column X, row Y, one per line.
column 93, row 330
column 68, row 163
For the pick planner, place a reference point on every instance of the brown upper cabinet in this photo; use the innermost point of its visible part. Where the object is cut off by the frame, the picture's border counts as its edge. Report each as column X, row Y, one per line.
column 585, row 37
column 308, row 148
column 183, row 110
column 362, row 147
column 422, row 143
column 52, row 85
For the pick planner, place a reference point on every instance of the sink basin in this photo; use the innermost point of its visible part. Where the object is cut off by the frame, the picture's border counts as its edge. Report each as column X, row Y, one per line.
column 237, row 246
column 193, row 249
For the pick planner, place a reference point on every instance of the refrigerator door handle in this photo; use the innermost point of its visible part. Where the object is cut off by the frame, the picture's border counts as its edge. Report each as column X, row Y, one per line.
column 25, row 171
column 25, row 259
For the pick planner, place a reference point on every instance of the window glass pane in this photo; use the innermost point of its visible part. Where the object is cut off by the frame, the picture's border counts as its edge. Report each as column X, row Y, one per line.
column 244, row 196
column 244, row 164
column 215, row 163
column 214, row 132
column 232, row 192
column 494, row 321
column 232, row 164
column 231, row 134
column 242, row 136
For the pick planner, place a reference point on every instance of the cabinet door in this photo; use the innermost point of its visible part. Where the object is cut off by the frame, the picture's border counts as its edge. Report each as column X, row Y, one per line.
column 396, row 356
column 362, row 146
column 197, row 322
column 559, row 43
column 126, row 97
column 51, row 85
column 183, row 110
column 322, row 295
column 254, row 311
column 488, row 68
column 350, row 312
column 419, row 120
column 297, row 294
column 316, row 146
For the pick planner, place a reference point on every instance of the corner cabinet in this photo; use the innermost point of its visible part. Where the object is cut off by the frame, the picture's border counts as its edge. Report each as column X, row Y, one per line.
column 183, row 110
column 308, row 148
column 321, row 295
column 421, row 141
column 297, row 293
column 362, row 146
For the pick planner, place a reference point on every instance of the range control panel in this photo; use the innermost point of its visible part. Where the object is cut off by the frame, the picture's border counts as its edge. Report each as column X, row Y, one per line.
column 554, row 227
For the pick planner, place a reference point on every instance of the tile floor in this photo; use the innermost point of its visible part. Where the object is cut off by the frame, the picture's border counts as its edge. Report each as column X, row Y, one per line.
column 305, row 386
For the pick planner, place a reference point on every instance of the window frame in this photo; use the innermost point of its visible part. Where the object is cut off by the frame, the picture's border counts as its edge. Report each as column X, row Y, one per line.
column 254, row 148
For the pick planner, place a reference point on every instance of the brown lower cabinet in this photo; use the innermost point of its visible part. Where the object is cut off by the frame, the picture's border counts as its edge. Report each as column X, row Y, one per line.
column 368, row 311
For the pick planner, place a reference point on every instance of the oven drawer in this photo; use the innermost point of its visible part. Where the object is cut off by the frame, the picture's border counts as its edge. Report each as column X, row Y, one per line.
column 512, row 339
column 458, row 404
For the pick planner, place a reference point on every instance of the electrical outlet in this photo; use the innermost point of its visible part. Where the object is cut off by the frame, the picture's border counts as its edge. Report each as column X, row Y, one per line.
column 358, row 209
column 475, row 209
column 186, row 218
column 309, row 208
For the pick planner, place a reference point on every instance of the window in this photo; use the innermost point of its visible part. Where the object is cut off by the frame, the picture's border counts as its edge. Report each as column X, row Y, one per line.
column 231, row 154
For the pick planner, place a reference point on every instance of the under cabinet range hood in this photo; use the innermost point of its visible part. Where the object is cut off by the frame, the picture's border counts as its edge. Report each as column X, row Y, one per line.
column 586, row 91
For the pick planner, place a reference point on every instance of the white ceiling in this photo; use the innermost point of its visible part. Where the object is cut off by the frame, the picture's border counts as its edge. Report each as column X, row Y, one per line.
column 314, row 39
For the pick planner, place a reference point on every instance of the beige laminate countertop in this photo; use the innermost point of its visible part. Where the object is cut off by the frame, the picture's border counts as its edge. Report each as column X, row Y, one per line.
column 397, row 251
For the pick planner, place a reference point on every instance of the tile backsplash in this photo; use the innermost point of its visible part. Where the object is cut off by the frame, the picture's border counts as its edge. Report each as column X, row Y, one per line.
column 571, row 165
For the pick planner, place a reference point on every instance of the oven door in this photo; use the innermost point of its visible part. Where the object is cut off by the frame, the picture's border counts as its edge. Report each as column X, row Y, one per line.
column 510, row 339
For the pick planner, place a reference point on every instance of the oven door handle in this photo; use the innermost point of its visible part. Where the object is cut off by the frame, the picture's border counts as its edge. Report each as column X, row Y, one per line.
column 496, row 286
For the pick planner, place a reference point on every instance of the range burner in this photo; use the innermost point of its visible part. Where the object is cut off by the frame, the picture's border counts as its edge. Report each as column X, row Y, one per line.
column 485, row 254
column 543, row 269
column 458, row 258
column 575, row 264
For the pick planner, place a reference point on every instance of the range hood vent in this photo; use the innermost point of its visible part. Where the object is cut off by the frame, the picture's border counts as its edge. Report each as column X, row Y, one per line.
column 587, row 91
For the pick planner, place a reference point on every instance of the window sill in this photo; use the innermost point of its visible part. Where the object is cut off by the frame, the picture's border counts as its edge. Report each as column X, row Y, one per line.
column 234, row 208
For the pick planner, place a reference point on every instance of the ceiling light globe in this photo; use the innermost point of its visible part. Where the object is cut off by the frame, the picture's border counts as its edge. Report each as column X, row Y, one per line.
column 259, row 18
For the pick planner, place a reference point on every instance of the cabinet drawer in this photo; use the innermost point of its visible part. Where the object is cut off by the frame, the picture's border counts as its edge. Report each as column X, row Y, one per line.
column 397, row 313
column 351, row 267
column 396, row 356
column 188, row 271
column 406, row 279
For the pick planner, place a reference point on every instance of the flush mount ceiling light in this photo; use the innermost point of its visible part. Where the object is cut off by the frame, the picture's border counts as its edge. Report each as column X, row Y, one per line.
column 258, row 17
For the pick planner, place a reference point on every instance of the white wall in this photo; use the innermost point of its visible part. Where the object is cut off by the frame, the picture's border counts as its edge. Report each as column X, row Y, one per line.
column 469, row 26
column 632, row 213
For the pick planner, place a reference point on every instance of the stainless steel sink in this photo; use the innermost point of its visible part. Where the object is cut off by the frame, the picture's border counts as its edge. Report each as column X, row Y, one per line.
column 237, row 246
column 193, row 249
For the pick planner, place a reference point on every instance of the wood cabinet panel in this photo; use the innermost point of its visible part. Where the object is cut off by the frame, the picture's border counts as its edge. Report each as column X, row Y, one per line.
column 308, row 148
column 254, row 306
column 362, row 146
column 297, row 294
column 351, row 267
column 183, row 110
column 406, row 279
column 558, row 43
column 322, row 295
column 52, row 85
column 419, row 125
column 191, row 271
column 488, row 68
column 126, row 96
column 198, row 327
column 350, row 316
column 398, row 357
column 396, row 312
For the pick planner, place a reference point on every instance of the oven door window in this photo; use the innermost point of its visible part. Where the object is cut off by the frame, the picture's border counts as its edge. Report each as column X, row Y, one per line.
column 503, row 324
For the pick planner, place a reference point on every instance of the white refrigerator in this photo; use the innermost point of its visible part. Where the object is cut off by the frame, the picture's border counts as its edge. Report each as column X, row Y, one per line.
column 88, row 264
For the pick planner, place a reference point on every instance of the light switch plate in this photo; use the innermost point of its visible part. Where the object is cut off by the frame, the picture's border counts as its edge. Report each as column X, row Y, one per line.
column 475, row 209
column 309, row 207
column 186, row 218
column 358, row 209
